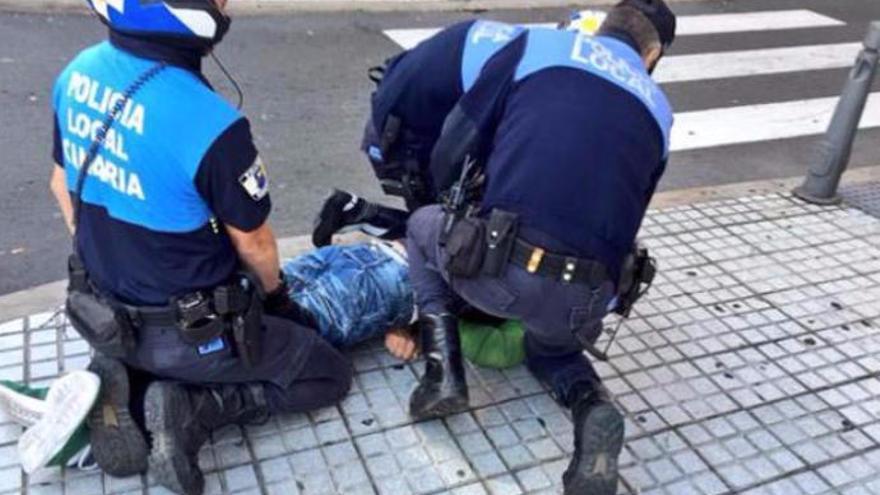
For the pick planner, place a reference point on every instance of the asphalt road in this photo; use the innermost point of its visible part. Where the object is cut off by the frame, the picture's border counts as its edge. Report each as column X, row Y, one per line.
column 304, row 77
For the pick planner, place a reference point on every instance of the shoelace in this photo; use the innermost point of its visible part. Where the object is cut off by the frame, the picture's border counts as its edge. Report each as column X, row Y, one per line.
column 84, row 460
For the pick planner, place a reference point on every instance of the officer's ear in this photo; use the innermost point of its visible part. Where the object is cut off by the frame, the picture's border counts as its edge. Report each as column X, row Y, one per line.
column 651, row 56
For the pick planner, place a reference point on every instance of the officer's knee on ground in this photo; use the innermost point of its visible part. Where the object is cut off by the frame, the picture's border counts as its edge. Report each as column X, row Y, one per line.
column 342, row 378
column 325, row 379
column 329, row 375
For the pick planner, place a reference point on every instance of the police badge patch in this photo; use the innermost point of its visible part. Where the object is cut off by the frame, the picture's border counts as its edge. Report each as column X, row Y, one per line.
column 255, row 181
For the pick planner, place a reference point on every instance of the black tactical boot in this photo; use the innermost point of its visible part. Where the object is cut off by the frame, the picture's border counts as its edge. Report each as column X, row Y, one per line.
column 181, row 419
column 343, row 211
column 598, row 439
column 118, row 444
column 442, row 390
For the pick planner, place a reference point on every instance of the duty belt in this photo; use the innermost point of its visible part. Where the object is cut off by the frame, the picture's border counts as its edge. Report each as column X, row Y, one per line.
column 160, row 316
column 567, row 269
column 145, row 317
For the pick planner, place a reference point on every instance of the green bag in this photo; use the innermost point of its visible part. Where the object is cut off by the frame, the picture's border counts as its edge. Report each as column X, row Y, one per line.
column 490, row 346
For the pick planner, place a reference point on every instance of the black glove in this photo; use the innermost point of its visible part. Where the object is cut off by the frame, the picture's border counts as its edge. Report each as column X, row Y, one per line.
column 278, row 303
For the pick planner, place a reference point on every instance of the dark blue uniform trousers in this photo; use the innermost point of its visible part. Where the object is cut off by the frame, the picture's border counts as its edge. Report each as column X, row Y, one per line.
column 299, row 371
column 553, row 312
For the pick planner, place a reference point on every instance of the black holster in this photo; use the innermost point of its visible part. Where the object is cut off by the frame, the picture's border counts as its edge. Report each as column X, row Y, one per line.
column 247, row 327
column 476, row 246
column 501, row 230
column 636, row 276
column 240, row 307
column 107, row 328
column 465, row 245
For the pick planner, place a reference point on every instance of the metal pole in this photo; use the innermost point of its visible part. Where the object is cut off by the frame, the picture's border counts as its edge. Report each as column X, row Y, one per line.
column 820, row 185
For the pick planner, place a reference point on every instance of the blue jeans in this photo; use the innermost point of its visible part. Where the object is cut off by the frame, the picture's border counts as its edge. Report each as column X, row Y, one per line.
column 354, row 292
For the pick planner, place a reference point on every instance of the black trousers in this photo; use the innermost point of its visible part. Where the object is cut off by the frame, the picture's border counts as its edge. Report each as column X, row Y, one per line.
column 298, row 372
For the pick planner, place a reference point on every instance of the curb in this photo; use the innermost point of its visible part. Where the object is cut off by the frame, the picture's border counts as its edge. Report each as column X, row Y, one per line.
column 680, row 197
column 51, row 295
column 250, row 7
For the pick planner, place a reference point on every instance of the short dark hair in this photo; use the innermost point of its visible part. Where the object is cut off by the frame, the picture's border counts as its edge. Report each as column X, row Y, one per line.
column 634, row 23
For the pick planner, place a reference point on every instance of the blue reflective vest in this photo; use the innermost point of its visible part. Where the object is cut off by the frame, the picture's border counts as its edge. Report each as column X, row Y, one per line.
column 143, row 174
column 145, row 233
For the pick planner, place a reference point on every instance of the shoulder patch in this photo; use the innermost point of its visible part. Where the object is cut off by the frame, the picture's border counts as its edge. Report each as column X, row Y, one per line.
column 255, row 180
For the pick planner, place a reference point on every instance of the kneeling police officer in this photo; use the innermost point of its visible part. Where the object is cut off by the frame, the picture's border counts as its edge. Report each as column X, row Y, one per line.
column 175, row 271
column 408, row 107
column 415, row 91
column 569, row 136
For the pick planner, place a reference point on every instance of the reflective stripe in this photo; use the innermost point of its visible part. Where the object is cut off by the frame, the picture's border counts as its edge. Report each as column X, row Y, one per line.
column 484, row 39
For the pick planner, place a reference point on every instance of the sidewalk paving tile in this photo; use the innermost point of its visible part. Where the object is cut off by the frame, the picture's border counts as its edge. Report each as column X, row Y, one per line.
column 749, row 368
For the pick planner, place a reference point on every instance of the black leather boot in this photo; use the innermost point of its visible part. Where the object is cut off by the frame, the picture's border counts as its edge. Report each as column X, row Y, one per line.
column 442, row 390
column 118, row 444
column 181, row 419
column 598, row 439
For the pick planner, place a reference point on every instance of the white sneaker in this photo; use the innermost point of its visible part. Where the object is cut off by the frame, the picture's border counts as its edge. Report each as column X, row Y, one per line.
column 70, row 399
column 23, row 409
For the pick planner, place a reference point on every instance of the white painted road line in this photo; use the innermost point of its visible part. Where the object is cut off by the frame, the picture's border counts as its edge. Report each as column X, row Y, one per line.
column 408, row 38
column 687, row 25
column 723, row 65
column 703, row 66
column 773, row 20
column 765, row 122
column 751, row 123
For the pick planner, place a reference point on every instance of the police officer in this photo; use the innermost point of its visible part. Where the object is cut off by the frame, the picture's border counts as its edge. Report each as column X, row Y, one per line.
column 415, row 93
column 572, row 136
column 409, row 106
column 173, row 208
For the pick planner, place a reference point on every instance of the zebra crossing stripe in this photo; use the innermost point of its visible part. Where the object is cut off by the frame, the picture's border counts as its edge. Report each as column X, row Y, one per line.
column 762, row 122
column 724, row 65
column 743, row 63
column 408, row 38
column 773, row 20
column 750, row 123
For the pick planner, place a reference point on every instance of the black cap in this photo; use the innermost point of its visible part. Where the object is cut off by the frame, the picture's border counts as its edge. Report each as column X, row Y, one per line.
column 660, row 16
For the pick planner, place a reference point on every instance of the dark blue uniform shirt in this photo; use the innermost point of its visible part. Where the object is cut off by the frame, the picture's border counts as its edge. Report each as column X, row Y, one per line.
column 145, row 243
column 572, row 147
